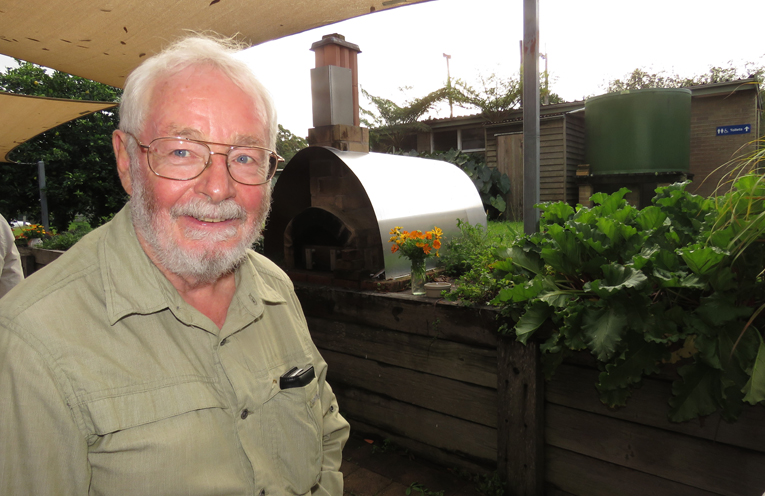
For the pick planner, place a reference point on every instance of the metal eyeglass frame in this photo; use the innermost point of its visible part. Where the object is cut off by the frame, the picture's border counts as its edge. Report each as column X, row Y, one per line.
column 272, row 156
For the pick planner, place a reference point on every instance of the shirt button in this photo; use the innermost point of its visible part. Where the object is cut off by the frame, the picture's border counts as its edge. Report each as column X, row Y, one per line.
column 262, row 492
column 244, row 414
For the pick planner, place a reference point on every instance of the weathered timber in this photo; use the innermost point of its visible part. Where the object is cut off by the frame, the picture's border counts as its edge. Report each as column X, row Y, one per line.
column 520, row 428
column 402, row 312
column 432, row 355
column 574, row 387
column 582, row 475
column 444, row 432
column 699, row 463
column 445, row 458
column 458, row 399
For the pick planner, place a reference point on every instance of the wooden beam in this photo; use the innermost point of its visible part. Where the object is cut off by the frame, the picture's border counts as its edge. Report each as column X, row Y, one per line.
column 521, row 424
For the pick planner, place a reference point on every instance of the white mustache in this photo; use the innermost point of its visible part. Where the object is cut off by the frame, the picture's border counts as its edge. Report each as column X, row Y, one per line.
column 201, row 209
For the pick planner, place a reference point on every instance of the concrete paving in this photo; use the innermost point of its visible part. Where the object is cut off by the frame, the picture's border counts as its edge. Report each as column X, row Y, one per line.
column 375, row 469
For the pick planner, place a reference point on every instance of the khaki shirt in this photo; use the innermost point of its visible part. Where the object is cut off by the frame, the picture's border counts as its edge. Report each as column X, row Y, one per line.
column 110, row 384
column 10, row 263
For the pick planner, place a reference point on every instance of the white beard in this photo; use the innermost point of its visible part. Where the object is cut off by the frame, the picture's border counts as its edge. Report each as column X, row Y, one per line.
column 200, row 265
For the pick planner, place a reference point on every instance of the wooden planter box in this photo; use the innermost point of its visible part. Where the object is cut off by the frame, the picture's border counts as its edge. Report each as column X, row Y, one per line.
column 425, row 375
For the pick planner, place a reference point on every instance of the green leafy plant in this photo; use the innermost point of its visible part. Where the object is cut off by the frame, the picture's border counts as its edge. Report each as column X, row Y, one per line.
column 417, row 488
column 67, row 239
column 679, row 281
column 470, row 256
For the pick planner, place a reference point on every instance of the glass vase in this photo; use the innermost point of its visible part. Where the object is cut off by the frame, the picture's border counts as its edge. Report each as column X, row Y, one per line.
column 418, row 277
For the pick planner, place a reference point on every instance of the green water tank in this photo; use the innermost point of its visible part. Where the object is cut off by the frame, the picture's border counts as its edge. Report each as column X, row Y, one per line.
column 638, row 131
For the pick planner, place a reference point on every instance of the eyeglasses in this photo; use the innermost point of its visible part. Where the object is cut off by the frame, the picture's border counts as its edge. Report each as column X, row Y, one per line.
column 183, row 159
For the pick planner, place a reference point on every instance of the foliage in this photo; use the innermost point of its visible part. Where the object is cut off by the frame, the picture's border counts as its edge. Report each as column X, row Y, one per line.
column 492, row 185
column 287, row 144
column 79, row 163
column 416, row 245
column 33, row 231
column 473, row 244
column 680, row 281
column 470, row 256
column 65, row 240
column 391, row 124
column 640, row 78
column 495, row 96
column 422, row 490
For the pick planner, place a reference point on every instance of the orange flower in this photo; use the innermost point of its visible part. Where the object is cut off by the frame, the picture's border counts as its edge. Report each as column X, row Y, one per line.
column 426, row 249
column 429, row 235
column 436, row 244
column 394, row 248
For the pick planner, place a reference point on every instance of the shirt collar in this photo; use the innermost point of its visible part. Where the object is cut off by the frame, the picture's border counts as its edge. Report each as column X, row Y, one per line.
column 134, row 285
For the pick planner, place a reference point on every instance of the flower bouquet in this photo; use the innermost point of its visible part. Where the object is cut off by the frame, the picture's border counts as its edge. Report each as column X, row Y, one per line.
column 32, row 234
column 417, row 247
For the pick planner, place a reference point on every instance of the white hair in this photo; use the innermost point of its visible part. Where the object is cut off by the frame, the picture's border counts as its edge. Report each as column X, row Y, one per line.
column 196, row 50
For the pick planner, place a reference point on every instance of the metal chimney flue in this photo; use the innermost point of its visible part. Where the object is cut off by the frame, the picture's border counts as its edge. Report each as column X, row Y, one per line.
column 335, row 95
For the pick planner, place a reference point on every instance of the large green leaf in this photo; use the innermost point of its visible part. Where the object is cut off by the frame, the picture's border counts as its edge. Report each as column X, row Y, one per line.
column 615, row 278
column 697, row 394
column 639, row 358
column 530, row 321
column 754, row 390
column 702, row 260
column 651, row 217
column 604, row 328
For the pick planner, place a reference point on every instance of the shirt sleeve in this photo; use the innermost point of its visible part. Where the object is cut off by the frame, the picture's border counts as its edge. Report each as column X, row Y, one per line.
column 42, row 452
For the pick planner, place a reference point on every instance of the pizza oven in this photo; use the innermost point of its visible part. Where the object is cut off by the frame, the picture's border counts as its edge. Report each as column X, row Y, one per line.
column 333, row 211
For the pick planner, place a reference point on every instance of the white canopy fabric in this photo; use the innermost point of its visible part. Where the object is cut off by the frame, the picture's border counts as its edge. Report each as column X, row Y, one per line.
column 24, row 117
column 104, row 40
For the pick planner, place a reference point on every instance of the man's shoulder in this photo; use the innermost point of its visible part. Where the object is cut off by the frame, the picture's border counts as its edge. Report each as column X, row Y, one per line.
column 61, row 278
column 267, row 269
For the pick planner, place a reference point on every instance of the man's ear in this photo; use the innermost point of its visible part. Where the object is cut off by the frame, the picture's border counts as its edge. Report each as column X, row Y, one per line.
column 119, row 143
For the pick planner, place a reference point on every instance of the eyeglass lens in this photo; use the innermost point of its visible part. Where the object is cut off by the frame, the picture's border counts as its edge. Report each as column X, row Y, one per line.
column 180, row 159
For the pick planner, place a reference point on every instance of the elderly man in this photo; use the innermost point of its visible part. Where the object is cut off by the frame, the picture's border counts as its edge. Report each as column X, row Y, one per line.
column 160, row 355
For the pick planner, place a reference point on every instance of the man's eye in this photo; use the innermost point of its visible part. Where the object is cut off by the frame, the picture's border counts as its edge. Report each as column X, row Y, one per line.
column 244, row 160
column 182, row 153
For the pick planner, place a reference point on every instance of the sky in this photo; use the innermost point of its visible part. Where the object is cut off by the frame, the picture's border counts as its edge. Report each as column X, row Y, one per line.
column 588, row 43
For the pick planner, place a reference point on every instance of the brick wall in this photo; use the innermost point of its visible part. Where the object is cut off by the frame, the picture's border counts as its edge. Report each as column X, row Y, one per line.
column 709, row 151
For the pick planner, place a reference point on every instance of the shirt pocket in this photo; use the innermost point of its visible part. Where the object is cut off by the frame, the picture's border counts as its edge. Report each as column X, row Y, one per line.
column 292, row 424
column 139, row 405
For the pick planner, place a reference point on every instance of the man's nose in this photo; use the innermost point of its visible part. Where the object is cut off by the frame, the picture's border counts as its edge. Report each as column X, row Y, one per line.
column 215, row 182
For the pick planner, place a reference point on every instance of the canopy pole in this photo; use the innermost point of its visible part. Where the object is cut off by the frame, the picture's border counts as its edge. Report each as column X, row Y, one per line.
column 43, row 196
column 530, row 115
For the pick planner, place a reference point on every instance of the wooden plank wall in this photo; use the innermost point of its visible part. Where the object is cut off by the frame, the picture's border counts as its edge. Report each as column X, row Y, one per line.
column 561, row 149
column 594, row 450
column 421, row 374
column 574, row 154
column 424, row 375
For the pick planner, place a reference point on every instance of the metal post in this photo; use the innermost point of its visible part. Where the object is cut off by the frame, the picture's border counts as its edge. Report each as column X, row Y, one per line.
column 449, row 84
column 43, row 197
column 530, row 115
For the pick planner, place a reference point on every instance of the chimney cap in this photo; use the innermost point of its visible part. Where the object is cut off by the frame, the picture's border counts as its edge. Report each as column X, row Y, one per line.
column 336, row 39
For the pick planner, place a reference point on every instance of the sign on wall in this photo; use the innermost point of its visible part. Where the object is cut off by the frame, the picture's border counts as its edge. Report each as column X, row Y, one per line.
column 737, row 129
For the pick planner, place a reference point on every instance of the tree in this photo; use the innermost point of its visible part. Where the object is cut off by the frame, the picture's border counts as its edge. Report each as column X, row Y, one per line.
column 390, row 127
column 81, row 177
column 287, row 144
column 641, row 79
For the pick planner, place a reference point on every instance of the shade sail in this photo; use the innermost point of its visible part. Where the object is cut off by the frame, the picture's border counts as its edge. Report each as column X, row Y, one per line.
column 24, row 117
column 104, row 40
